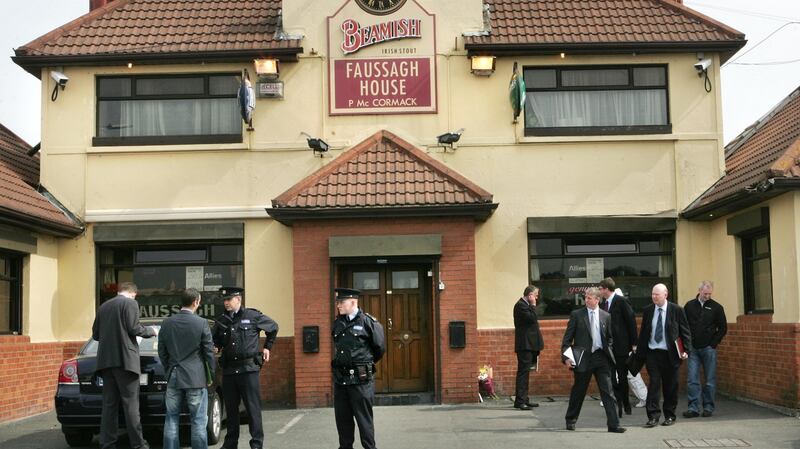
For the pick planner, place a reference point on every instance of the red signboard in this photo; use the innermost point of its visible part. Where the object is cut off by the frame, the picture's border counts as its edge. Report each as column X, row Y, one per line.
column 382, row 83
column 382, row 64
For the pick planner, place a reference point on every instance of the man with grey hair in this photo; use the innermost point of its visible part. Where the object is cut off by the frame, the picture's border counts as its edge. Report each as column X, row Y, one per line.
column 708, row 325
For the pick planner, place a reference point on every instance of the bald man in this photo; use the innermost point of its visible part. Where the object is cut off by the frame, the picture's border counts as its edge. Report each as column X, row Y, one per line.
column 663, row 342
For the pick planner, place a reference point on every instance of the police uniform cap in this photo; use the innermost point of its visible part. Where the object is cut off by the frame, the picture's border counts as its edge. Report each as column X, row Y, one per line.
column 346, row 293
column 230, row 292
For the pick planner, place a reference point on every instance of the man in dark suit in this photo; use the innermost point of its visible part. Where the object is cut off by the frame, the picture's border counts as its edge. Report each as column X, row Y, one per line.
column 116, row 326
column 623, row 328
column 187, row 353
column 528, row 342
column 589, row 337
column 663, row 337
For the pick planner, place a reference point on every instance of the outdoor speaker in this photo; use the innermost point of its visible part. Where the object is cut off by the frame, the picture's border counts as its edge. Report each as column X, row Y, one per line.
column 310, row 338
column 458, row 334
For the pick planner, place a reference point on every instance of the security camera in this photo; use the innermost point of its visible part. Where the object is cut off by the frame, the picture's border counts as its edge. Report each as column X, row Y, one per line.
column 59, row 78
column 702, row 65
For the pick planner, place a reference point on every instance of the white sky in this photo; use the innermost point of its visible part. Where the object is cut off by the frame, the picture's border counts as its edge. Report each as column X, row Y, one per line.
column 748, row 91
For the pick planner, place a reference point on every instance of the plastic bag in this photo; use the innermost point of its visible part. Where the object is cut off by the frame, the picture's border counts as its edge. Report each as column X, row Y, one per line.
column 638, row 386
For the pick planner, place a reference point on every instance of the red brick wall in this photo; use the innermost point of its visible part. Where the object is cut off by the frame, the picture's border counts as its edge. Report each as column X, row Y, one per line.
column 277, row 376
column 30, row 374
column 312, row 304
column 760, row 360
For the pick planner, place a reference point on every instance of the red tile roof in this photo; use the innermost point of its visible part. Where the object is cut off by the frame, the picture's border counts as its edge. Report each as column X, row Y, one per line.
column 767, row 150
column 141, row 29
column 383, row 171
column 20, row 202
column 624, row 24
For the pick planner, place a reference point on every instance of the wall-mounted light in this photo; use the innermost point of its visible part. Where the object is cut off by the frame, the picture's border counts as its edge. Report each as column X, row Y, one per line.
column 267, row 67
column 317, row 145
column 482, row 65
column 130, row 65
column 449, row 139
column 563, row 55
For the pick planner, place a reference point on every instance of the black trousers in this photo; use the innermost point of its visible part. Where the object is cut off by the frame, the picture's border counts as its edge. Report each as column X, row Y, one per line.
column 620, row 381
column 600, row 366
column 525, row 361
column 242, row 387
column 663, row 376
column 120, row 386
column 354, row 401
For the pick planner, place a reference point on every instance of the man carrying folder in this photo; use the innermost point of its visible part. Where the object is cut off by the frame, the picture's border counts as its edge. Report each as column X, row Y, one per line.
column 663, row 341
column 186, row 351
column 589, row 341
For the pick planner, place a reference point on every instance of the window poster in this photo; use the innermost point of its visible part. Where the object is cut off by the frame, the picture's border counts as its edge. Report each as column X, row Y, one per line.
column 194, row 278
column 594, row 269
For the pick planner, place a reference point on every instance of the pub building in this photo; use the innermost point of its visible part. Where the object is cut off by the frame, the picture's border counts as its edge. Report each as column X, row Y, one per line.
column 438, row 156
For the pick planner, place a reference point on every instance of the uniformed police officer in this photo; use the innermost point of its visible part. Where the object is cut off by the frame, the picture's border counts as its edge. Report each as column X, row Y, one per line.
column 236, row 334
column 359, row 344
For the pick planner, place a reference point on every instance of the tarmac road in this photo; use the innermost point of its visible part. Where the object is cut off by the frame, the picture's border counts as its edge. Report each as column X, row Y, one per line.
column 491, row 425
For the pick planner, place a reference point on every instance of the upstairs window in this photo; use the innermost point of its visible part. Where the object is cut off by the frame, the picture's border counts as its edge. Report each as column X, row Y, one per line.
column 596, row 100
column 142, row 110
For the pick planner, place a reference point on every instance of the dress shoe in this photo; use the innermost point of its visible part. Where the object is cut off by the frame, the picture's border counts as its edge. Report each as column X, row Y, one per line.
column 616, row 429
column 668, row 422
column 690, row 414
column 522, row 406
column 532, row 404
column 627, row 408
column 651, row 423
column 570, row 426
column 707, row 413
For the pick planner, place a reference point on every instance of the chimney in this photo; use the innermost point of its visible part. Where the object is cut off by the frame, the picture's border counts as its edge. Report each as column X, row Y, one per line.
column 94, row 4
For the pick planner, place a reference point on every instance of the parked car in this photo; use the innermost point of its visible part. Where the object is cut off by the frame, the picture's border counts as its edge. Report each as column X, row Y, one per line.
column 79, row 396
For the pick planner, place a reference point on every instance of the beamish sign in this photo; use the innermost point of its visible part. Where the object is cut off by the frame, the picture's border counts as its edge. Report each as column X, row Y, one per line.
column 394, row 71
column 357, row 37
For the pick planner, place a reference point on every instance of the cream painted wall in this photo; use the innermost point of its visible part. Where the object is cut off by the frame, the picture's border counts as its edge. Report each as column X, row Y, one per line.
column 529, row 176
column 268, row 271
column 40, row 308
column 784, row 240
column 713, row 254
column 76, row 287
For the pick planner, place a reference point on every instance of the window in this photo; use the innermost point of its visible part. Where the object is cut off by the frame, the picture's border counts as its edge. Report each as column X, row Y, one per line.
column 10, row 293
column 141, row 110
column 757, row 273
column 564, row 266
column 596, row 100
column 163, row 272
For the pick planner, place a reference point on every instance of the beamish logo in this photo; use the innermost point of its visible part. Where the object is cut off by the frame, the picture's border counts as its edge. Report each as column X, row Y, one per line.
column 356, row 37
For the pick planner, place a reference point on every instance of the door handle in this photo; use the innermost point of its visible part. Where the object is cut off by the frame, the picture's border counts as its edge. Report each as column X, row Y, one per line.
column 389, row 322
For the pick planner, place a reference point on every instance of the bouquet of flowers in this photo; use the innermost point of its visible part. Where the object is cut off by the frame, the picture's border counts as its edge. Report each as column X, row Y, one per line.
column 485, row 382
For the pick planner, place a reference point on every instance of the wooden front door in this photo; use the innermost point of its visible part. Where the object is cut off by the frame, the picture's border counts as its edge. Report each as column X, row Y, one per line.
column 398, row 296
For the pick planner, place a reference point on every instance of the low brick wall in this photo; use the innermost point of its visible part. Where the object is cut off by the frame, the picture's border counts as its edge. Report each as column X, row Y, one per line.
column 760, row 360
column 30, row 374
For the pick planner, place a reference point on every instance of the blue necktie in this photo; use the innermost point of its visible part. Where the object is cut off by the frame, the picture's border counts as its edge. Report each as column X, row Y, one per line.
column 659, row 328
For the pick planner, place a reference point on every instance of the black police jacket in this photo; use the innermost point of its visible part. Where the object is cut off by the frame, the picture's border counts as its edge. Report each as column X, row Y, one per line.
column 237, row 337
column 359, row 343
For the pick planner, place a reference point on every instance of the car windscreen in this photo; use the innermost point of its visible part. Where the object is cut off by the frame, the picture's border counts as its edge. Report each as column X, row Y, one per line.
column 145, row 344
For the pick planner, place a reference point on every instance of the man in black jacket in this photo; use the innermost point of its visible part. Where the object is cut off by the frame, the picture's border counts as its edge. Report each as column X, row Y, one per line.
column 528, row 342
column 708, row 325
column 589, row 338
column 187, row 354
column 663, row 342
column 116, row 327
column 359, row 343
column 236, row 334
column 623, row 327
